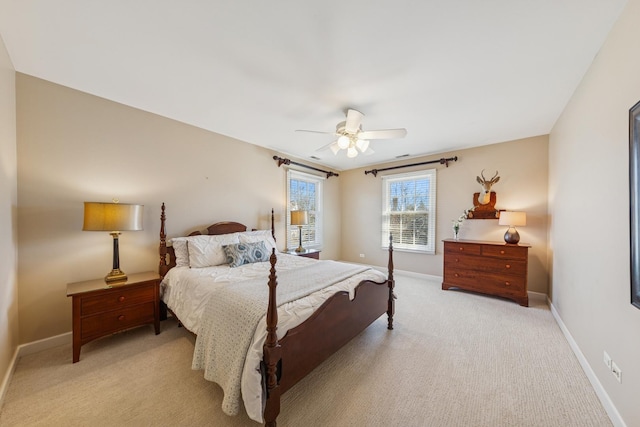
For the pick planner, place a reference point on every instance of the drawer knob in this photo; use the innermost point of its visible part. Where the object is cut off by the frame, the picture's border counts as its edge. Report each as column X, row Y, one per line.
column 457, row 259
column 501, row 252
column 120, row 298
column 507, row 283
column 507, row 266
column 461, row 248
column 121, row 317
column 456, row 275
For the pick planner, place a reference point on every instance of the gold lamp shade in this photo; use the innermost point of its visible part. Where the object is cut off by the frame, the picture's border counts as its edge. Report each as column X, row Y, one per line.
column 299, row 218
column 114, row 218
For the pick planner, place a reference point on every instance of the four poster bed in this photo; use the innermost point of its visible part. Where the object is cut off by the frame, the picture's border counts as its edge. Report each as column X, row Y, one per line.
column 222, row 282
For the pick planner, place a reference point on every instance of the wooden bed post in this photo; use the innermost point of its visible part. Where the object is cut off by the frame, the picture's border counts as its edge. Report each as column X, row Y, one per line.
column 391, row 308
column 272, row 351
column 273, row 229
column 162, row 268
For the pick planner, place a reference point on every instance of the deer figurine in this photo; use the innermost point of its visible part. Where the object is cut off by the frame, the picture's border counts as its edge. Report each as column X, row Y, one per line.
column 485, row 194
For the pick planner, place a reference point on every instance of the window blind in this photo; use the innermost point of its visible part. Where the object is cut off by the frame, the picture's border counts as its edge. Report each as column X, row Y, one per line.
column 409, row 211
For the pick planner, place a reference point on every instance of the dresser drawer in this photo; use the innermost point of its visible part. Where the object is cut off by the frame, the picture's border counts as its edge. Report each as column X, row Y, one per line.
column 117, row 298
column 515, row 252
column 486, row 283
column 487, row 264
column 461, row 248
column 117, row 320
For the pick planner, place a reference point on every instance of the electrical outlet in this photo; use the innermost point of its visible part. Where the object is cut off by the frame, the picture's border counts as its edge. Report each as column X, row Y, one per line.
column 361, row 255
column 617, row 372
column 607, row 360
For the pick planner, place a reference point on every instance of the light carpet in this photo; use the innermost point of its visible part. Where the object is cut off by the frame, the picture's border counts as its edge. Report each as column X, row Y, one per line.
column 453, row 359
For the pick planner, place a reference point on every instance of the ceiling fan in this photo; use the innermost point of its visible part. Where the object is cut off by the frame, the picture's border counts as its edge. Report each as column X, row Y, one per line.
column 352, row 138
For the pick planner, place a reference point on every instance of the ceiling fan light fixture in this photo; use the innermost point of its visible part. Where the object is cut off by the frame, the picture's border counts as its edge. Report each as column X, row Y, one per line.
column 352, row 152
column 343, row 141
column 362, row 145
column 334, row 147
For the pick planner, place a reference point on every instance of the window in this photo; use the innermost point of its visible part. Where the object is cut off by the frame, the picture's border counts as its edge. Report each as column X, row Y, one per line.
column 304, row 192
column 409, row 211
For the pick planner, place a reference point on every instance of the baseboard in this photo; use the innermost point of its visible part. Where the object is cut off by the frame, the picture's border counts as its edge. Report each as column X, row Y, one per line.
column 31, row 348
column 608, row 405
column 538, row 296
column 417, row 275
column 7, row 377
column 45, row 344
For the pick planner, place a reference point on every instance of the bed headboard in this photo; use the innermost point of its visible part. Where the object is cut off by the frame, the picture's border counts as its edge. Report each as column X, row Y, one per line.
column 168, row 255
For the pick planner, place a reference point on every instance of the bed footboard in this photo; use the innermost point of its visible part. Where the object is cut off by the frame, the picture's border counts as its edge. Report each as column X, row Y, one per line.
column 333, row 325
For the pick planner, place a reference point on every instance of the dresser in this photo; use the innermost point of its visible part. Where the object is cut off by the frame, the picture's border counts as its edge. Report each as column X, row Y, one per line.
column 101, row 308
column 493, row 268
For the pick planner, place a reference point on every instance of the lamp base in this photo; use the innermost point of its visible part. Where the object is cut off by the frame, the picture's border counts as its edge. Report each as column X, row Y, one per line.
column 116, row 275
column 300, row 248
column 512, row 236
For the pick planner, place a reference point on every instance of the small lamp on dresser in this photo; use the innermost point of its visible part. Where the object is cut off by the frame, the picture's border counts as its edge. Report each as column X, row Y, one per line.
column 299, row 218
column 114, row 218
column 512, row 219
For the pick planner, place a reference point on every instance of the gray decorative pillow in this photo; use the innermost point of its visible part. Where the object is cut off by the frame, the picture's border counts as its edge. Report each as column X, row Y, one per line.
column 245, row 253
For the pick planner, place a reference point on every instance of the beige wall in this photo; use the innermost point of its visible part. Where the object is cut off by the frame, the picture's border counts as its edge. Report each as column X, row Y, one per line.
column 74, row 147
column 8, row 222
column 589, row 206
column 522, row 166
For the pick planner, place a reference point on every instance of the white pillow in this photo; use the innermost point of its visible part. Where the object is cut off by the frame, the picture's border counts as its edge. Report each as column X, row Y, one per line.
column 206, row 251
column 259, row 236
column 180, row 249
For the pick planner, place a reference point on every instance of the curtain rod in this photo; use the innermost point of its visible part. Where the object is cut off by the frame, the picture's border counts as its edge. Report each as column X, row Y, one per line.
column 282, row 161
column 442, row 161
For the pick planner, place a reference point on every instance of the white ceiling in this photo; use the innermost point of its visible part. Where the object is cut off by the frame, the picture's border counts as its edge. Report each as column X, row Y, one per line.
column 454, row 73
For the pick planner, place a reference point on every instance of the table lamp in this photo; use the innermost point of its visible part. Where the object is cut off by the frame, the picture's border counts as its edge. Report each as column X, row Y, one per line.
column 299, row 218
column 114, row 218
column 512, row 219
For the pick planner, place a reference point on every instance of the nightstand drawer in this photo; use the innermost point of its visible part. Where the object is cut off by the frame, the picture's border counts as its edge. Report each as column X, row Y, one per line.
column 117, row 298
column 117, row 320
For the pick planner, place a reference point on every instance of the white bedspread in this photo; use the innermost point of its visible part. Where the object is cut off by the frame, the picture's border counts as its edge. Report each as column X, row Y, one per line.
column 187, row 292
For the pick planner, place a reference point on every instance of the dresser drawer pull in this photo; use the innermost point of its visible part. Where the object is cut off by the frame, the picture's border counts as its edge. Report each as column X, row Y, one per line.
column 121, row 298
column 456, row 275
column 121, row 317
column 507, row 283
column 501, row 252
column 461, row 248
column 507, row 266
column 457, row 259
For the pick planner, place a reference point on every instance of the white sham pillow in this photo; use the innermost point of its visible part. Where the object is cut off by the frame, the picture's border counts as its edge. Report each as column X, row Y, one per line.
column 206, row 251
column 259, row 236
column 179, row 245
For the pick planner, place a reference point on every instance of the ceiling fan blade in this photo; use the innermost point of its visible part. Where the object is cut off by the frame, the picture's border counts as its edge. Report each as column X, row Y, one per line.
column 354, row 119
column 383, row 134
column 324, row 147
column 369, row 152
column 315, row 131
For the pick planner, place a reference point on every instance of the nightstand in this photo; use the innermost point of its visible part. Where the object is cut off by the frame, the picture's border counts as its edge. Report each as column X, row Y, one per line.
column 101, row 308
column 308, row 253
